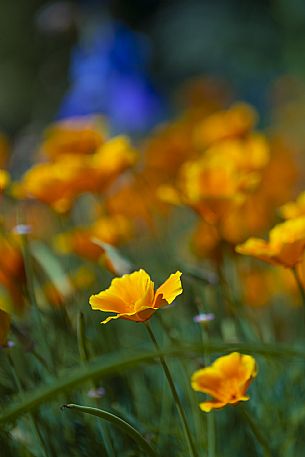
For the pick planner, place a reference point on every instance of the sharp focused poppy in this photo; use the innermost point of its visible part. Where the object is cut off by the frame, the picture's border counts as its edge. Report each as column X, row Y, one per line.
column 285, row 247
column 133, row 297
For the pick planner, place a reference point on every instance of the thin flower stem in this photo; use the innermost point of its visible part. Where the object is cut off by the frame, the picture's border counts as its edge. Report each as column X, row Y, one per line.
column 211, row 429
column 81, row 338
column 31, row 293
column 170, row 381
column 256, row 431
column 299, row 283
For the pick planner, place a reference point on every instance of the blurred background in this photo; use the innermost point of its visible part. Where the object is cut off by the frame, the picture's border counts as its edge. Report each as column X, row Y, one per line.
column 61, row 58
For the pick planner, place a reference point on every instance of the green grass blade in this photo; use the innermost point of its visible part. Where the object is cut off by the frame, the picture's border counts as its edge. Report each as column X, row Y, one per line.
column 118, row 362
column 118, row 422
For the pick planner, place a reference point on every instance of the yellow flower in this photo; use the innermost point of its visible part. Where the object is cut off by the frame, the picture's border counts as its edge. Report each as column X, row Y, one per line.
column 112, row 230
column 294, row 209
column 210, row 186
column 4, row 179
column 285, row 247
column 81, row 135
column 235, row 122
column 132, row 296
column 60, row 182
column 226, row 380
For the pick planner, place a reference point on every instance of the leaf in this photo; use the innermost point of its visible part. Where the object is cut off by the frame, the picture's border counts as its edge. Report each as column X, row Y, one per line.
column 118, row 422
column 118, row 362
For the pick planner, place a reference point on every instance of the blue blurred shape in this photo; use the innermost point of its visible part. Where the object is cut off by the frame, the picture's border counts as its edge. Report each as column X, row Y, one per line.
column 109, row 75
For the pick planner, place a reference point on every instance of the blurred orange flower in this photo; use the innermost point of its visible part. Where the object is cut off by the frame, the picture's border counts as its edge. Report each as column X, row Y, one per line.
column 237, row 121
column 12, row 274
column 4, row 179
column 226, row 380
column 295, row 208
column 285, row 247
column 107, row 229
column 132, row 296
column 210, row 186
column 59, row 183
column 82, row 135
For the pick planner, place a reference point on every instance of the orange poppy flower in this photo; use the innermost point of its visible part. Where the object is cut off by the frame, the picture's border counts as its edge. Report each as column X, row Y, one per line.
column 132, row 296
column 226, row 380
column 295, row 208
column 285, row 247
column 78, row 135
column 237, row 121
column 59, row 183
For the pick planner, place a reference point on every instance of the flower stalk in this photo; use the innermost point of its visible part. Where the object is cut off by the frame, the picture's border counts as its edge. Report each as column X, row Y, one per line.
column 170, row 381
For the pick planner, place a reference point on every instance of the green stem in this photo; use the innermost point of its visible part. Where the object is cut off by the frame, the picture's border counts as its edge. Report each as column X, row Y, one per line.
column 211, row 429
column 256, row 430
column 31, row 292
column 81, row 338
column 117, row 421
column 174, row 392
column 299, row 283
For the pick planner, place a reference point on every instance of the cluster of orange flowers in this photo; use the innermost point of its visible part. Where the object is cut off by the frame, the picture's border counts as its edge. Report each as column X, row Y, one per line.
column 211, row 161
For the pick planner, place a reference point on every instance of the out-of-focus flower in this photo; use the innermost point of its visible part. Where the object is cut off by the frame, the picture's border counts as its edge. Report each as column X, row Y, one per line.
column 205, row 239
column 234, row 122
column 226, row 380
column 109, row 76
column 249, row 154
column 22, row 229
column 203, row 318
column 168, row 148
column 209, row 186
column 12, row 274
column 99, row 392
column 285, row 247
column 134, row 199
column 294, row 209
column 59, row 183
column 133, row 297
column 82, row 135
column 79, row 280
column 261, row 286
column 82, row 278
column 4, row 179
column 108, row 229
column 255, row 285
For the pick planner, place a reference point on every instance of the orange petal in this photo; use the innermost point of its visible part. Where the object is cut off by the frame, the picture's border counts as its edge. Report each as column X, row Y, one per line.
column 169, row 290
column 209, row 381
column 208, row 406
column 126, row 294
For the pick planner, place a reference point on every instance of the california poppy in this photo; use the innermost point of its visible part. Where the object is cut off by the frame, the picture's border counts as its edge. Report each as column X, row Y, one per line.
column 226, row 380
column 133, row 297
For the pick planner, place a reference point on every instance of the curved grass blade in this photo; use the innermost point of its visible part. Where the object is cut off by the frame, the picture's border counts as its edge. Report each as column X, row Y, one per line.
column 118, row 422
column 118, row 362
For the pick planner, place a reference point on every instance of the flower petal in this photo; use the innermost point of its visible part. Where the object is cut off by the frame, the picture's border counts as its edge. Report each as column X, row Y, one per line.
column 124, row 293
column 208, row 406
column 169, row 290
